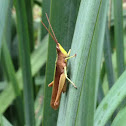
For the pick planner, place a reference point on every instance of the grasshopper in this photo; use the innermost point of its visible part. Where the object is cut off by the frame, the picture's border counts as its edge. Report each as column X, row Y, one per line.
column 59, row 82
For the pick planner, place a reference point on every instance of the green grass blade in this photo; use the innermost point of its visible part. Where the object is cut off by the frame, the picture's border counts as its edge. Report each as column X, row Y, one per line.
column 118, row 34
column 28, row 5
column 111, row 101
column 10, row 69
column 108, row 58
column 120, row 119
column 4, row 8
column 3, row 85
column 38, row 59
column 87, row 64
column 100, row 93
column 4, row 121
column 7, row 34
column 63, row 23
column 24, row 49
column 39, row 106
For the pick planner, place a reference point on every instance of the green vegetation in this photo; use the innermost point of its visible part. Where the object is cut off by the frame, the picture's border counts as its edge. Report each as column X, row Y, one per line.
column 94, row 30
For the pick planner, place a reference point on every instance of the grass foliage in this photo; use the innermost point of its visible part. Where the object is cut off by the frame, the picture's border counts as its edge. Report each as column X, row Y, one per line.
column 94, row 30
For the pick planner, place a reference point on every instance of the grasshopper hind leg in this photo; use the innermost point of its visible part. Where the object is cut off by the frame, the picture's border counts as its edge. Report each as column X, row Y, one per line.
column 51, row 84
column 60, row 89
column 65, row 71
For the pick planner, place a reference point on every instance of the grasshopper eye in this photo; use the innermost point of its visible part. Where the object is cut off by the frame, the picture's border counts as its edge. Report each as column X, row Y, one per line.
column 57, row 48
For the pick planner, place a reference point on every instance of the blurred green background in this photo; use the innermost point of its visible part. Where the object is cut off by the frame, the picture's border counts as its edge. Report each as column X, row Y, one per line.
column 93, row 29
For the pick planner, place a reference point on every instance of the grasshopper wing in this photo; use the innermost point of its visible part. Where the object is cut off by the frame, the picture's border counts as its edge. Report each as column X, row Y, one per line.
column 60, row 89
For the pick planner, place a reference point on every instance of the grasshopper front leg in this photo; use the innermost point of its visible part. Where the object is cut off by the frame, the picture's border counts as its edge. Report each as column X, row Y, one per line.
column 69, row 52
column 69, row 57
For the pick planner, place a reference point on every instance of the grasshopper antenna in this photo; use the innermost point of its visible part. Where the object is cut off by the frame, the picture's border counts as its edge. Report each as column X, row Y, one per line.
column 49, row 32
column 51, row 27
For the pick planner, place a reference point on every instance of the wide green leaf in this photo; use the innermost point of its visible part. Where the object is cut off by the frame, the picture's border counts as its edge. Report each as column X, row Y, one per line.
column 88, row 96
column 85, row 67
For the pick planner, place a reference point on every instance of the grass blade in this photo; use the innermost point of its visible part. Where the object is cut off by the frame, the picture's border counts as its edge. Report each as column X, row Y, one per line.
column 118, row 34
column 111, row 101
column 108, row 58
column 39, row 106
column 4, row 122
column 120, row 119
column 4, row 8
column 100, row 89
column 24, row 49
column 28, row 5
column 3, row 85
column 64, row 34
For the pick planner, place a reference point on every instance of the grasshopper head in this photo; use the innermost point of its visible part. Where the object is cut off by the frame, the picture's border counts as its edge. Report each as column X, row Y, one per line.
column 59, row 47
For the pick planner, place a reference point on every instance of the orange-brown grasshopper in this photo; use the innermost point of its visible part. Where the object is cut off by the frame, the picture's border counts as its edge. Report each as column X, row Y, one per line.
column 59, row 82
